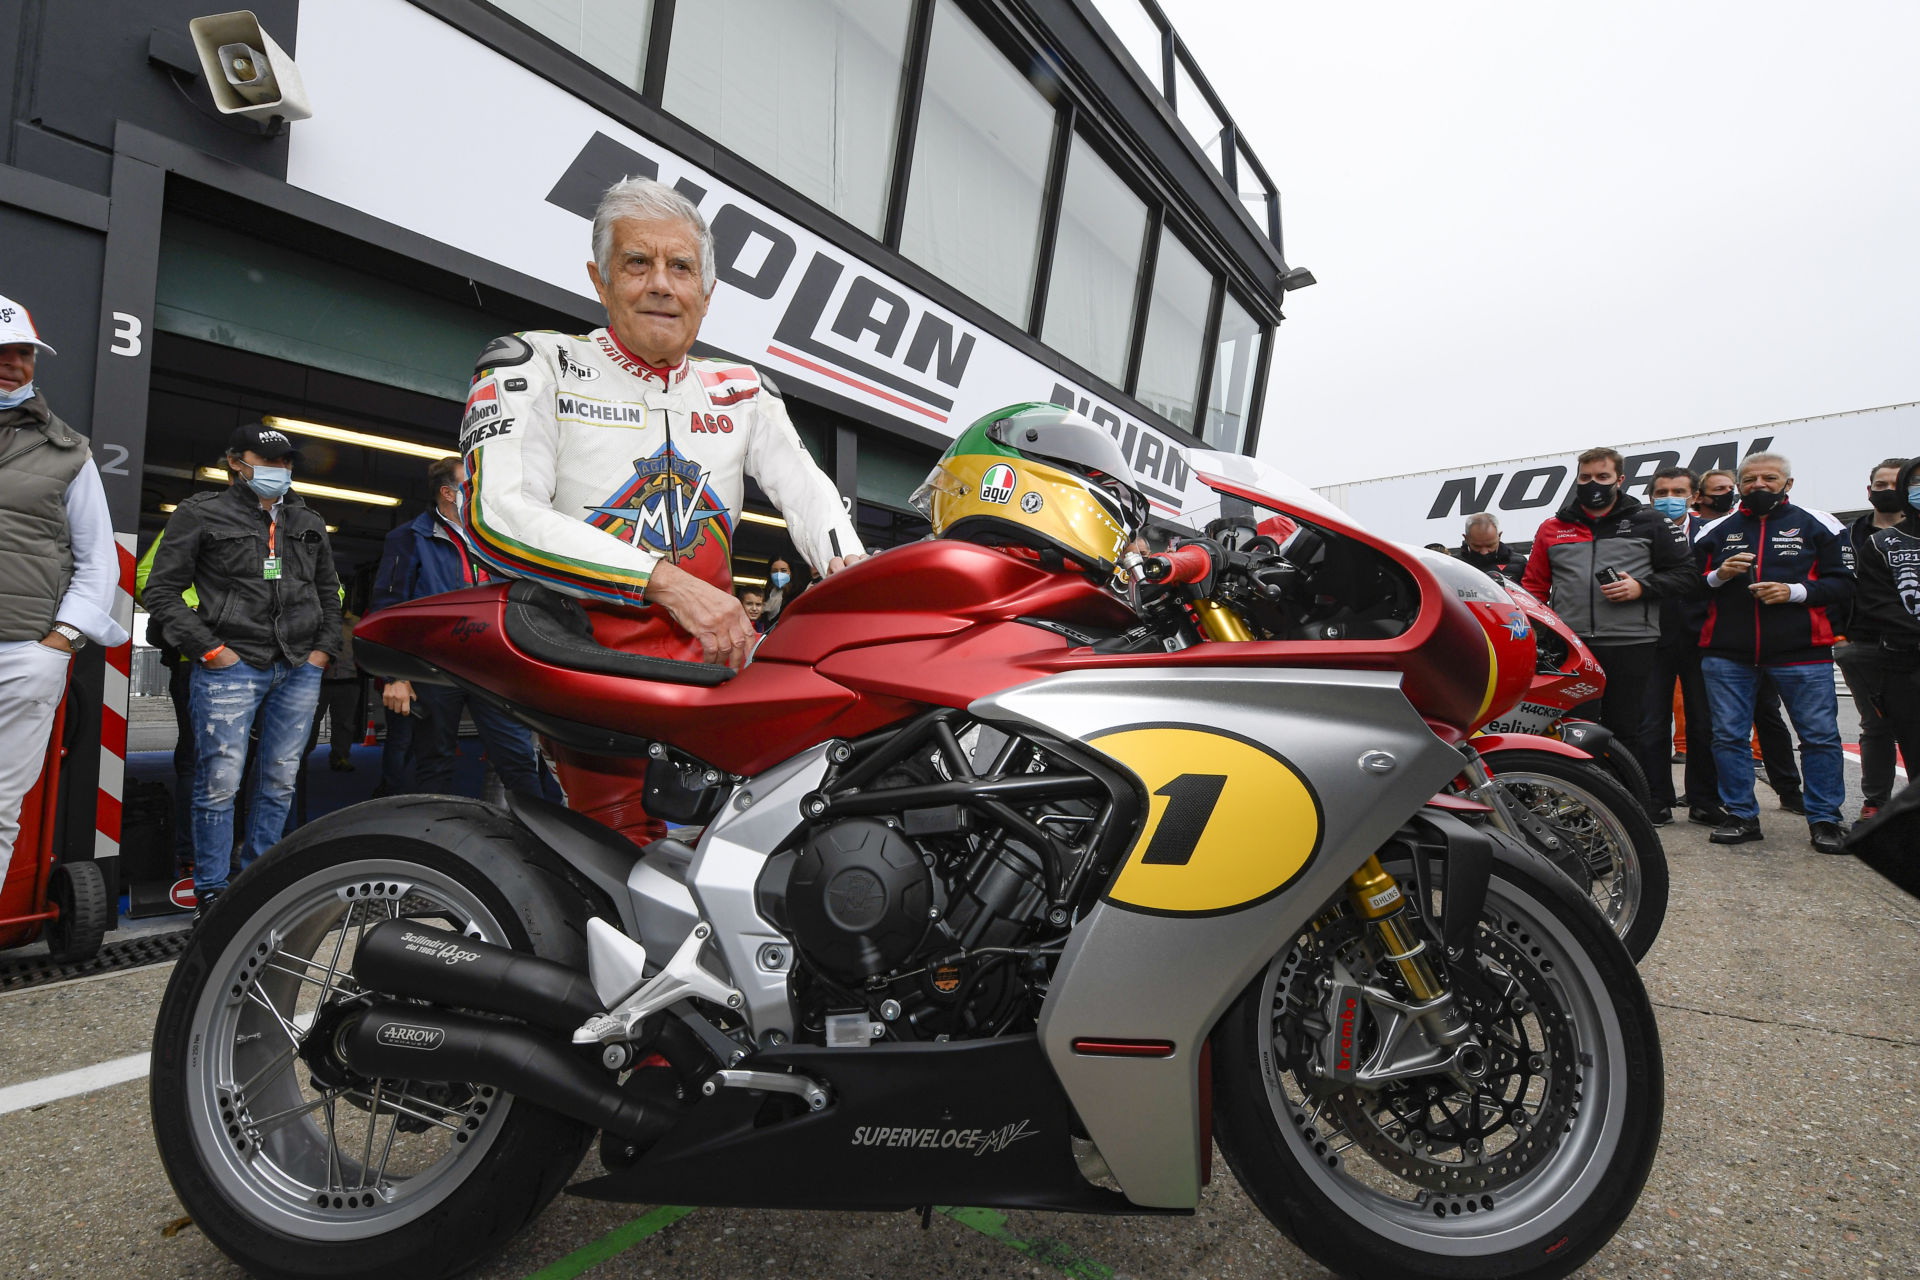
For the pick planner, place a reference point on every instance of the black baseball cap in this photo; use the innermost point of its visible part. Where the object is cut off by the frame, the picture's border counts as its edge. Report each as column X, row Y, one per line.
column 268, row 442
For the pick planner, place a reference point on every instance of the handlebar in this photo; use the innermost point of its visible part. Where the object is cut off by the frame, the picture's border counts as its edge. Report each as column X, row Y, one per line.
column 1187, row 564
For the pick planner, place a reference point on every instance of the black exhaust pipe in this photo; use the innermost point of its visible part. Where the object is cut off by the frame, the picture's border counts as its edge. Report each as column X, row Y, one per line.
column 403, row 958
column 396, row 1041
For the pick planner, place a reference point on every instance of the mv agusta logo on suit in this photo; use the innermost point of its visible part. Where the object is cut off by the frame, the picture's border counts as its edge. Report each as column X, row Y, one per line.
column 1020, row 867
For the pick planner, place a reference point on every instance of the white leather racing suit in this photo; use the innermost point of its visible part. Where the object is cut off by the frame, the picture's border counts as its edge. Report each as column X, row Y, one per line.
column 586, row 465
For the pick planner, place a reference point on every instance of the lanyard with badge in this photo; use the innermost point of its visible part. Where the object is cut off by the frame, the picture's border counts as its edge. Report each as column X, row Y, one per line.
column 270, row 568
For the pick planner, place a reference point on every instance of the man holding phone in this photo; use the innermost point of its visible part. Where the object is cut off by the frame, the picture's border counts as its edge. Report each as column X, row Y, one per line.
column 1603, row 563
column 1777, row 576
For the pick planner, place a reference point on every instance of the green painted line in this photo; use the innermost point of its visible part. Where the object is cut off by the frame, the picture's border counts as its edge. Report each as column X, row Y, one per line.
column 616, row 1241
column 1052, row 1252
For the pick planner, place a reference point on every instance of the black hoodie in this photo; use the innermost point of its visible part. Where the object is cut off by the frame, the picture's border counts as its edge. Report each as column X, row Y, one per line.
column 1888, row 602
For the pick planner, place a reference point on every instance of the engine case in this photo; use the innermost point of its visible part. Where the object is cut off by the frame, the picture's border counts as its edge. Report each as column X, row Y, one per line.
column 860, row 899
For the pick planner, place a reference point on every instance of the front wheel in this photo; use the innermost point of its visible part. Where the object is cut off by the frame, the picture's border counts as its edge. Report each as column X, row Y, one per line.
column 1609, row 832
column 296, row 1169
column 1520, row 1175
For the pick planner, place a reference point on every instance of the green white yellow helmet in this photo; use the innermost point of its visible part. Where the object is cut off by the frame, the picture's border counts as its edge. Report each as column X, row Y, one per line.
column 1039, row 476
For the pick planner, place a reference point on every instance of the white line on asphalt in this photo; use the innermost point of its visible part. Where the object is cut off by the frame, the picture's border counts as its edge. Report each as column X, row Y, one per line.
column 37, row 1093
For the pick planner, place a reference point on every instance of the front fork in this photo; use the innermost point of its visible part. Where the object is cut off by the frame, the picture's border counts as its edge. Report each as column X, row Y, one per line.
column 1377, row 899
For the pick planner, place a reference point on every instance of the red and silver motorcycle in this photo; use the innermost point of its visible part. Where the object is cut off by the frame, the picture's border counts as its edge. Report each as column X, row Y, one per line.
column 1574, row 792
column 1007, row 889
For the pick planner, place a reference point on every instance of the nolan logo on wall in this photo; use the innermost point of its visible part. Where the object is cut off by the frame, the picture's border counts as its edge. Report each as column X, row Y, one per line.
column 997, row 485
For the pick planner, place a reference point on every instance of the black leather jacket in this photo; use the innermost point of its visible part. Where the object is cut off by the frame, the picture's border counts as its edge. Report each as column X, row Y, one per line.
column 217, row 543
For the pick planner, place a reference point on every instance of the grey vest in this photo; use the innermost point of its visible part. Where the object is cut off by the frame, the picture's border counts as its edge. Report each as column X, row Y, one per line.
column 36, row 548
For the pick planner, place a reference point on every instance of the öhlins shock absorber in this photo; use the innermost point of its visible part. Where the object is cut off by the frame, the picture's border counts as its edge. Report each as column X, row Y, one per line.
column 1378, row 900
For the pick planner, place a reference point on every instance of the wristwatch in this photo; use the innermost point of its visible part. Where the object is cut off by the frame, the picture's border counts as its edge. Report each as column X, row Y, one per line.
column 76, row 639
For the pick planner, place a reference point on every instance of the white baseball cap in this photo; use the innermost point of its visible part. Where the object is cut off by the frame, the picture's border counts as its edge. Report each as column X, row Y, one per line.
column 16, row 325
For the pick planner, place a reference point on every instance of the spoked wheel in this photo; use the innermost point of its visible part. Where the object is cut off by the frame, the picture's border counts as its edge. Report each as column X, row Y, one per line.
column 1610, row 833
column 1524, row 1171
column 289, row 1162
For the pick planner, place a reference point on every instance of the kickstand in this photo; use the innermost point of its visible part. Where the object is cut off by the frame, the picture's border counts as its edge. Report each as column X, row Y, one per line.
column 926, row 1217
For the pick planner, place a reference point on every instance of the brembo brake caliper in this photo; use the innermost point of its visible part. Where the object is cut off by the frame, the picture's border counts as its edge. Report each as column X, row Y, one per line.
column 1374, row 1035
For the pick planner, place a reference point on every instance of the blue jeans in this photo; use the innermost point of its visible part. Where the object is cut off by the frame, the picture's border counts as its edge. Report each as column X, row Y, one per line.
column 223, row 708
column 436, row 740
column 1814, row 710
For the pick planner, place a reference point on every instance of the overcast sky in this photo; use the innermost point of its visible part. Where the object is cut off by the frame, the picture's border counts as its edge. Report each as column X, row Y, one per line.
column 1538, row 228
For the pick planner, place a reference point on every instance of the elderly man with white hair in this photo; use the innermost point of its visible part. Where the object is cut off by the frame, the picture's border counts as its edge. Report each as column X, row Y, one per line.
column 611, row 466
column 1778, row 577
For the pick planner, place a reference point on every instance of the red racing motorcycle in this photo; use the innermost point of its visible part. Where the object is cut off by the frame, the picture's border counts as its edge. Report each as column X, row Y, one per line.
column 991, row 885
column 1570, row 789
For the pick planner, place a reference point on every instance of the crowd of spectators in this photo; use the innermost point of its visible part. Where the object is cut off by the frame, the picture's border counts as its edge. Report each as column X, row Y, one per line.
column 1723, row 586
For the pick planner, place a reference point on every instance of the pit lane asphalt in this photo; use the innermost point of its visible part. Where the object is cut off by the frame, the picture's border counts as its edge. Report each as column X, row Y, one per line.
column 1788, row 992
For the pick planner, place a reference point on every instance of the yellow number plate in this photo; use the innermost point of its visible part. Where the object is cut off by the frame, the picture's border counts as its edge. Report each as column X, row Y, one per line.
column 1231, row 823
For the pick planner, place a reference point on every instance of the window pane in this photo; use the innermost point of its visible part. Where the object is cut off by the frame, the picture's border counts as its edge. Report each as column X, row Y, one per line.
column 1139, row 35
column 1176, row 326
column 1253, row 193
column 1096, row 267
column 611, row 34
column 1195, row 113
column 979, row 163
column 1235, row 362
column 808, row 90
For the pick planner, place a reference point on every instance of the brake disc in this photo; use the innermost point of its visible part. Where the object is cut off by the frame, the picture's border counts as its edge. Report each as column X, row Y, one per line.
column 1433, row 1131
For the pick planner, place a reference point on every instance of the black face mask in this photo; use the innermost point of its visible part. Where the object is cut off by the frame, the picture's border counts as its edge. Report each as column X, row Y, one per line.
column 1760, row 502
column 1595, row 496
column 1887, row 499
column 1722, row 501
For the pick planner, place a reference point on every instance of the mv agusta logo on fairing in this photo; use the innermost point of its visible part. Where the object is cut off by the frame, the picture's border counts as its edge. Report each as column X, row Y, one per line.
column 979, row 1141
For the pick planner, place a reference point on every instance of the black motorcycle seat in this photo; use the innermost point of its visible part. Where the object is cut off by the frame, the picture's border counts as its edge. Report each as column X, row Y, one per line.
column 553, row 628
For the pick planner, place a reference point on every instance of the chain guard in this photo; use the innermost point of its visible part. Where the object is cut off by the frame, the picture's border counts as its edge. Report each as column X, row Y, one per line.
column 1429, row 1131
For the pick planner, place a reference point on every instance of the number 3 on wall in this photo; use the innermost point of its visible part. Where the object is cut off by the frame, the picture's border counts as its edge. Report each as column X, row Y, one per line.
column 1229, row 823
column 126, row 334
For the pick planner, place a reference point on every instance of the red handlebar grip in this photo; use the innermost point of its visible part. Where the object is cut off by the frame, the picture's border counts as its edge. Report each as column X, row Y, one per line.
column 1191, row 563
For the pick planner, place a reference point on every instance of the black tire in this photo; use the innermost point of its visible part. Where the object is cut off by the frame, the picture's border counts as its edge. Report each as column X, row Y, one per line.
column 492, row 1188
column 1634, row 901
column 1303, row 1187
column 80, row 892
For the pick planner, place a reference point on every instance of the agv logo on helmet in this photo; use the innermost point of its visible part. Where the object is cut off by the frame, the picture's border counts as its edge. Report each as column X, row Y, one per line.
column 996, row 486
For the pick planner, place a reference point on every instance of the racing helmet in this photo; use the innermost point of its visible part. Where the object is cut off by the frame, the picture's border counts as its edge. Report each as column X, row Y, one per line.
column 1038, row 476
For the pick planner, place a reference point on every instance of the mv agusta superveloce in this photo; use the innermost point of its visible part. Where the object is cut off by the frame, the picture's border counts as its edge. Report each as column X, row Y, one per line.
column 1019, row 868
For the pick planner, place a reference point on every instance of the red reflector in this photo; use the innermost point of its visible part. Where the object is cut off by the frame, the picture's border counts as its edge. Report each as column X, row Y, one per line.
column 1124, row 1048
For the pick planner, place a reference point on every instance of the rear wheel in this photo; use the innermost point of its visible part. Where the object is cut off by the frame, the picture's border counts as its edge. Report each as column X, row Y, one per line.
column 1522, row 1174
column 294, row 1172
column 79, row 892
column 1608, row 829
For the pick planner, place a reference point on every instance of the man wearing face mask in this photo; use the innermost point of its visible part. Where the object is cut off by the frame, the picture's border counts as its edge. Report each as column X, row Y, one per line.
column 1604, row 562
column 58, row 564
column 1859, row 655
column 266, row 625
column 1677, row 657
column 1888, row 607
column 1777, row 576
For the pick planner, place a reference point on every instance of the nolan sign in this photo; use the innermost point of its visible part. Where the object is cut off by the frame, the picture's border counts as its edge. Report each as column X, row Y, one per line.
column 787, row 299
column 1831, row 459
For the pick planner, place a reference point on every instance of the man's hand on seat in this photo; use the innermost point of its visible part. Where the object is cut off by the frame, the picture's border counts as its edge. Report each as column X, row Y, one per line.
column 712, row 616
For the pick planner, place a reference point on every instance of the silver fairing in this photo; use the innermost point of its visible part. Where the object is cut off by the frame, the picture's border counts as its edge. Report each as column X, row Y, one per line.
column 1127, row 974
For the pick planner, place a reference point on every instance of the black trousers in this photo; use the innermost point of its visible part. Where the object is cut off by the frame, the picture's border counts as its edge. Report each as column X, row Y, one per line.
column 1622, row 706
column 1863, row 666
column 1900, row 704
column 1680, row 662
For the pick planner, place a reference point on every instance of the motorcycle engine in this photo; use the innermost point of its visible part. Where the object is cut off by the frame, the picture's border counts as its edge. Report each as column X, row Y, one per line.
column 859, row 898
column 930, row 921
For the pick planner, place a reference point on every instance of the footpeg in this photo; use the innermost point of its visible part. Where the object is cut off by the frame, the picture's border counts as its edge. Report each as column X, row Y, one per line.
column 682, row 977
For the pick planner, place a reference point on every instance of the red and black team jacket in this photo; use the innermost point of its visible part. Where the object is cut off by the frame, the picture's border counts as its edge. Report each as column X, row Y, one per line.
column 1792, row 545
column 1631, row 537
